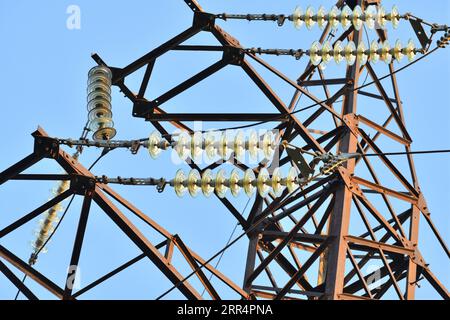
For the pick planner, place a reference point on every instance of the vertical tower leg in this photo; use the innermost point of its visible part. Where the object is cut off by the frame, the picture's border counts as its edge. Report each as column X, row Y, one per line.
column 340, row 217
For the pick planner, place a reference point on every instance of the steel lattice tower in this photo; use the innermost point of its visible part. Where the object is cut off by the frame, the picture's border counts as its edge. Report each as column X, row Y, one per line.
column 327, row 206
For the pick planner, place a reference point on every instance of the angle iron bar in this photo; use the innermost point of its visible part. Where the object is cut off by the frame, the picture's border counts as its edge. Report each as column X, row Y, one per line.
column 17, row 282
column 285, row 241
column 142, row 242
column 30, row 272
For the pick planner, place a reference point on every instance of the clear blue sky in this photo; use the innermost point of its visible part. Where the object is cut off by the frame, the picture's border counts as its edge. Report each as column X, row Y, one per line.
column 44, row 69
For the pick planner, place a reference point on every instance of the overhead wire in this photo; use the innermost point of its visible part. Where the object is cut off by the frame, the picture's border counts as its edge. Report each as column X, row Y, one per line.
column 228, row 241
column 405, row 153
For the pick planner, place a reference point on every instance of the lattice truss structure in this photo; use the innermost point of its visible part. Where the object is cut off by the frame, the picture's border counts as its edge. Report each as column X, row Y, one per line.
column 310, row 229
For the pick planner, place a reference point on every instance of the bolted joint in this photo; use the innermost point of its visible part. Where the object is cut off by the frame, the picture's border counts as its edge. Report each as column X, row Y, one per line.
column 352, row 122
column 117, row 76
column 204, row 21
column 422, row 205
column 143, row 108
column 135, row 145
column 418, row 259
column 82, row 185
column 347, row 178
column 175, row 238
column 234, row 55
column 46, row 147
column 281, row 19
column 161, row 185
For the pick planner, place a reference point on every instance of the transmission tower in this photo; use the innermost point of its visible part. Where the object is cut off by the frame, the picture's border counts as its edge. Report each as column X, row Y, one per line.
column 302, row 232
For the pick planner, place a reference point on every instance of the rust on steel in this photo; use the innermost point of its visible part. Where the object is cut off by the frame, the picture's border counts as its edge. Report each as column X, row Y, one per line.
column 317, row 220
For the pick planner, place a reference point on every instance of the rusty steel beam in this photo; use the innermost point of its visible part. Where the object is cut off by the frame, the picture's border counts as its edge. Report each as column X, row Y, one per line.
column 374, row 96
column 383, row 190
column 194, row 265
column 109, row 275
column 146, row 79
column 31, row 272
column 301, row 237
column 379, row 217
column 385, row 198
column 288, row 238
column 361, row 243
column 346, row 296
column 17, row 282
column 142, row 243
column 399, row 275
column 370, row 254
column 189, row 82
column 383, row 130
column 412, row 270
column 339, row 223
column 19, row 167
column 287, row 266
column 435, row 231
column 152, row 55
column 217, row 117
column 221, row 276
column 293, row 291
column 388, row 102
column 293, row 84
column 278, row 103
column 300, row 273
column 382, row 272
column 391, row 274
column 437, row 285
column 359, row 273
column 78, row 245
column 36, row 212
column 252, row 250
column 269, row 273
column 311, row 83
column 42, row 177
column 388, row 163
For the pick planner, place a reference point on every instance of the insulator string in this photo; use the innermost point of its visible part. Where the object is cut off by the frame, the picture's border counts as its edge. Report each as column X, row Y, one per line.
column 372, row 17
column 99, row 103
